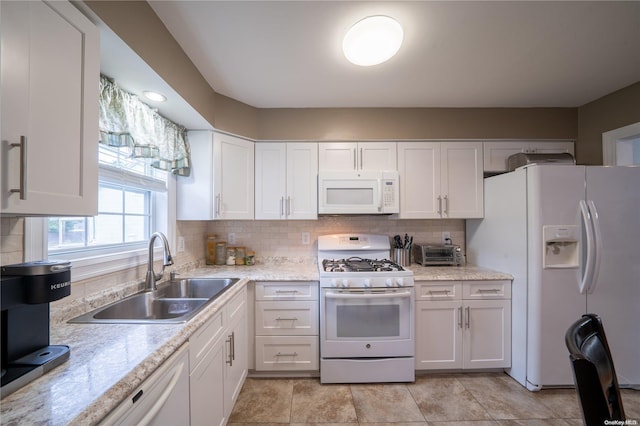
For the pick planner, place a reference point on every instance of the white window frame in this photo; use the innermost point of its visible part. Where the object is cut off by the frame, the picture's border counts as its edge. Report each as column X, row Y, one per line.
column 85, row 265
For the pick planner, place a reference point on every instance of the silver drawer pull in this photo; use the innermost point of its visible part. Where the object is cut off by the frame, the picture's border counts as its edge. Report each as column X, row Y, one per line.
column 286, row 291
column 439, row 291
column 287, row 319
column 281, row 354
column 489, row 290
column 22, row 190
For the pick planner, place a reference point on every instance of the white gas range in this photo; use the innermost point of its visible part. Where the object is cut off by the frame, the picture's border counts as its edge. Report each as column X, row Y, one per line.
column 366, row 311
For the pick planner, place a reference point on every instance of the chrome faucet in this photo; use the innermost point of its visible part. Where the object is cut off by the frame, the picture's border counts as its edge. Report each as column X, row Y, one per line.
column 152, row 277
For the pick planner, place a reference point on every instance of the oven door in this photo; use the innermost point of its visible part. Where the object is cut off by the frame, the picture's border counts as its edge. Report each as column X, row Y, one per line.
column 366, row 323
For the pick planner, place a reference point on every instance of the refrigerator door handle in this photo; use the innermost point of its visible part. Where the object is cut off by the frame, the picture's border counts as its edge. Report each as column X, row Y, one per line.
column 587, row 275
column 597, row 244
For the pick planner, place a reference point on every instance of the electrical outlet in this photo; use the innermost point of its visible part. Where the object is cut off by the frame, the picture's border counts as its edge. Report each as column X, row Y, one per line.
column 446, row 237
column 305, row 238
column 231, row 238
column 180, row 244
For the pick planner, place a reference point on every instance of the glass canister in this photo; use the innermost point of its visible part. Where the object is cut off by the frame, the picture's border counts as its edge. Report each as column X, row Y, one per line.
column 231, row 256
column 240, row 255
column 251, row 257
column 210, row 249
column 221, row 252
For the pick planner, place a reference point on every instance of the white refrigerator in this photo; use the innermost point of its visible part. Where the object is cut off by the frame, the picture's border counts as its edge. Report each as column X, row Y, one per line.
column 570, row 236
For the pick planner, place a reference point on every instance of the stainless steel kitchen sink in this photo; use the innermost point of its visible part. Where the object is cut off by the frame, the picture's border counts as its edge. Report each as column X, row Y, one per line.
column 175, row 301
column 197, row 288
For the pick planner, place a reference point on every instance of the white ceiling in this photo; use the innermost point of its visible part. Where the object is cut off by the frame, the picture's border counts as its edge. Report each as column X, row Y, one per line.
column 276, row 54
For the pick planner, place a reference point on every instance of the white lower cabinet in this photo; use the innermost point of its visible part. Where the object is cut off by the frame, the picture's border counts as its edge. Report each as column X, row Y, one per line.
column 162, row 399
column 286, row 326
column 218, row 358
column 463, row 325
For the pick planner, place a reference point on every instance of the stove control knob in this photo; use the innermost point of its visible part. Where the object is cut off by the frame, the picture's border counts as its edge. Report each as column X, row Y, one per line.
column 334, row 282
column 345, row 283
column 367, row 282
column 388, row 282
column 400, row 282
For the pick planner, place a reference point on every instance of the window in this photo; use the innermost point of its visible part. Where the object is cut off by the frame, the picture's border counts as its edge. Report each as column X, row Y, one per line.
column 132, row 204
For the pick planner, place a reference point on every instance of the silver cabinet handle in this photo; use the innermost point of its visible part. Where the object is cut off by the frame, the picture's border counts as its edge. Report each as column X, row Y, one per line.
column 281, row 206
column 291, row 354
column 446, row 204
column 230, row 355
column 467, row 317
column 288, row 206
column 286, row 291
column 23, row 167
column 446, row 292
column 217, row 208
column 233, row 345
column 488, row 290
column 286, row 319
column 361, row 159
column 460, row 317
column 439, row 205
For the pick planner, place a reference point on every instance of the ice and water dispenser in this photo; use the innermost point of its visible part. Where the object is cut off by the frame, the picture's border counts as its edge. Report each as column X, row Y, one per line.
column 561, row 246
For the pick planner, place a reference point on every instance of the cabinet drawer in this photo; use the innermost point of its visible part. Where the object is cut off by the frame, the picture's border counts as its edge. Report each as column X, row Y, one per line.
column 286, row 353
column 294, row 290
column 287, row 318
column 486, row 289
column 439, row 290
column 203, row 339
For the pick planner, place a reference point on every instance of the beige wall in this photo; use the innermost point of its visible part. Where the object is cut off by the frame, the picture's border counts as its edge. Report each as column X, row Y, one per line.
column 613, row 111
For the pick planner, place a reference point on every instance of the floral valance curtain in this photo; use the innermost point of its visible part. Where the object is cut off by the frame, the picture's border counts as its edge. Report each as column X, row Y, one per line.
column 127, row 122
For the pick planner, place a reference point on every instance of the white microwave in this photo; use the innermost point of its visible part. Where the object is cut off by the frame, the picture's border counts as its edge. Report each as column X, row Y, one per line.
column 358, row 192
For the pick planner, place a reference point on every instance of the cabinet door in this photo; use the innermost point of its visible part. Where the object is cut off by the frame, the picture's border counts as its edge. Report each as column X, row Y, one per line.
column 337, row 155
column 419, row 167
column 50, row 73
column 377, row 156
column 236, row 359
column 270, row 180
column 194, row 193
column 462, row 188
column 496, row 154
column 487, row 334
column 233, row 177
column 206, row 387
column 302, row 181
column 438, row 335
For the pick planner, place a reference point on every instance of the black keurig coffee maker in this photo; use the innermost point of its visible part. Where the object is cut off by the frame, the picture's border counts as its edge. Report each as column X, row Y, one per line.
column 27, row 289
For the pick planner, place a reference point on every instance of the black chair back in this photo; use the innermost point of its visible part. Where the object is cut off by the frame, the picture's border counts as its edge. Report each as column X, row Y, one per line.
column 594, row 373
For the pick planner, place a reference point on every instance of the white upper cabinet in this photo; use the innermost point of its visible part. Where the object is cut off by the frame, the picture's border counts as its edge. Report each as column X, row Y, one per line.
column 286, row 180
column 50, row 74
column 440, row 180
column 221, row 184
column 357, row 156
column 496, row 153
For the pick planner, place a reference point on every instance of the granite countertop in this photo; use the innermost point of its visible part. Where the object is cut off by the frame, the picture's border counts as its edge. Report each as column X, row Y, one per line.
column 108, row 361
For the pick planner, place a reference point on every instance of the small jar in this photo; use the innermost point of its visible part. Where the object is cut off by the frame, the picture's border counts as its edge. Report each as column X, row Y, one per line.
column 221, row 252
column 240, row 255
column 250, row 258
column 210, row 249
column 231, row 255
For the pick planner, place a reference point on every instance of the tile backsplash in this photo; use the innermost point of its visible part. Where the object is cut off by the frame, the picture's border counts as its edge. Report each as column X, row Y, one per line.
column 282, row 238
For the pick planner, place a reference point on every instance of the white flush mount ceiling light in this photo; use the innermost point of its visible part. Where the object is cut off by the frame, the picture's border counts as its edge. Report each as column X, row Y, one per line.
column 154, row 96
column 373, row 40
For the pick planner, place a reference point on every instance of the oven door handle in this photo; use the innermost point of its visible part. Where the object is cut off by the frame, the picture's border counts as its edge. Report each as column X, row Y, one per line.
column 390, row 295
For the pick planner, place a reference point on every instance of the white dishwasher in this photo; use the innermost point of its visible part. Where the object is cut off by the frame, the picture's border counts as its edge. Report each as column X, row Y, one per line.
column 162, row 399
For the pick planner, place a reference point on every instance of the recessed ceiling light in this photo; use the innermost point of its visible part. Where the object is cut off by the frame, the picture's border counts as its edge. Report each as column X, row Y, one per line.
column 154, row 96
column 373, row 40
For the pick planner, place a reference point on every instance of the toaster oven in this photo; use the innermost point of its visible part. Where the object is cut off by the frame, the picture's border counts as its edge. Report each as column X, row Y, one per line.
column 437, row 254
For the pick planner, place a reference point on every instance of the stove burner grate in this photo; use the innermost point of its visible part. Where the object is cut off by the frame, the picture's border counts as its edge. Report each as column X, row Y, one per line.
column 358, row 264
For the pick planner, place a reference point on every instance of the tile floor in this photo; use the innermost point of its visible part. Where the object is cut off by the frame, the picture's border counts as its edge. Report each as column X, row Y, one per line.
column 476, row 399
